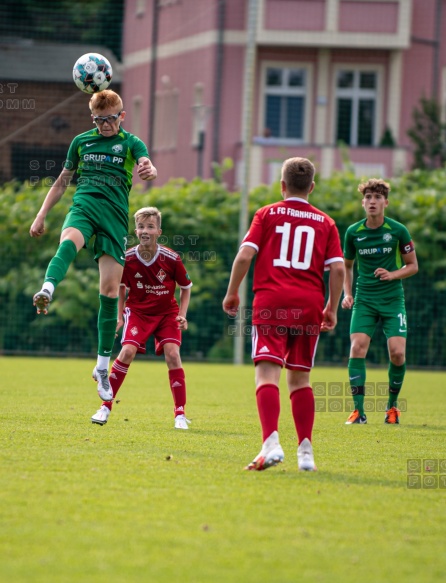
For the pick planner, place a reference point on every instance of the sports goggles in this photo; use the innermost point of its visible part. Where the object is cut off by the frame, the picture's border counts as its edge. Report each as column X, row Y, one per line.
column 99, row 119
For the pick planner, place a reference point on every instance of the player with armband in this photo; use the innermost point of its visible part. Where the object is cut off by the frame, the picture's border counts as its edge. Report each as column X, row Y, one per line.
column 385, row 254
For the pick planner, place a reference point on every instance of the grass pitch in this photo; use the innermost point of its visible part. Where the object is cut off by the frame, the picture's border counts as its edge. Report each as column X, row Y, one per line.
column 137, row 501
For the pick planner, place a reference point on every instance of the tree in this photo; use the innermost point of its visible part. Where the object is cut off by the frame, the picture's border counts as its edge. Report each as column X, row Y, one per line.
column 428, row 135
column 69, row 21
column 200, row 220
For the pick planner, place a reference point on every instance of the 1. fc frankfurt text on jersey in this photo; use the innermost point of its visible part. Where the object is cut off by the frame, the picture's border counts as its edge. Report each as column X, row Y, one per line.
column 295, row 243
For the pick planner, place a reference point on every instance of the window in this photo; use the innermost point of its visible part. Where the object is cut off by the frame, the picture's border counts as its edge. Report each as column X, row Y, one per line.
column 285, row 95
column 199, row 114
column 140, row 8
column 356, row 107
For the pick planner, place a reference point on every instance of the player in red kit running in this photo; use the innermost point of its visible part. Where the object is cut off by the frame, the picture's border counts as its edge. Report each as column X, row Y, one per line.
column 151, row 273
column 294, row 242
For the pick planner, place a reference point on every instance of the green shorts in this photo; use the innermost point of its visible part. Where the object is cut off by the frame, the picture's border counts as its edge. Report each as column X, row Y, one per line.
column 392, row 313
column 93, row 215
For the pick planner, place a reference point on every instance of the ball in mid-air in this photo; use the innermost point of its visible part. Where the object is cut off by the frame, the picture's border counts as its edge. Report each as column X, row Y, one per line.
column 92, row 73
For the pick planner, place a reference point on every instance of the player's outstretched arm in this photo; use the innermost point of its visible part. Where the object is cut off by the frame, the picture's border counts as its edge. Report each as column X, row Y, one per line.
column 240, row 268
column 348, row 301
column 335, row 285
column 54, row 195
column 146, row 170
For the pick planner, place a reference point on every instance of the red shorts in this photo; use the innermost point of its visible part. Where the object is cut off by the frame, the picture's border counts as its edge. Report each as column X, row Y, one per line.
column 294, row 348
column 138, row 329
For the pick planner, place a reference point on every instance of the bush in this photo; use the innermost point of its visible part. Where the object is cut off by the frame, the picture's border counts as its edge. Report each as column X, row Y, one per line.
column 200, row 221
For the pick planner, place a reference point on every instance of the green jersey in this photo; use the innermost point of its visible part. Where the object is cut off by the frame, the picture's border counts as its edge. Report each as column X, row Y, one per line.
column 105, row 165
column 373, row 248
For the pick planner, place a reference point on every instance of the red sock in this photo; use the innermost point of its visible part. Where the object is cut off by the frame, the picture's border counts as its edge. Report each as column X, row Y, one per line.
column 116, row 377
column 268, row 405
column 177, row 382
column 302, row 407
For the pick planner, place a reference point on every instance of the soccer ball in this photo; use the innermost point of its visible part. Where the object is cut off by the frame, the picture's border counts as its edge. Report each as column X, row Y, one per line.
column 92, row 73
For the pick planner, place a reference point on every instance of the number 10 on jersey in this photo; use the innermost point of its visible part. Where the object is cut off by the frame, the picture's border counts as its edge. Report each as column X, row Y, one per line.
column 285, row 231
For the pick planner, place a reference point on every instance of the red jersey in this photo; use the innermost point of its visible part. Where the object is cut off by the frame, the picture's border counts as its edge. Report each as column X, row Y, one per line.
column 152, row 283
column 295, row 242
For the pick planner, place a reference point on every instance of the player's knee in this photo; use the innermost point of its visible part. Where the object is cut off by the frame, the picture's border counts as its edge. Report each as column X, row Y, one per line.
column 109, row 291
column 397, row 357
column 172, row 356
column 127, row 353
column 358, row 349
column 173, row 362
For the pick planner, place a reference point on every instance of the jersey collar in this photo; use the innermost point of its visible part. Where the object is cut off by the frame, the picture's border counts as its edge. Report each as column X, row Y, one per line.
column 296, row 198
column 154, row 258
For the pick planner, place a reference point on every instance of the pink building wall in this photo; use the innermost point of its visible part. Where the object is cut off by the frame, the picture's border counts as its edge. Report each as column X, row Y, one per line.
column 137, row 30
column 368, row 17
column 187, row 45
column 298, row 15
column 181, row 20
column 418, row 63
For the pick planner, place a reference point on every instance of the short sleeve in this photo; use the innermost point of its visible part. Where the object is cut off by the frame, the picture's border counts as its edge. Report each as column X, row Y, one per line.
column 405, row 241
column 253, row 237
column 349, row 247
column 334, row 250
column 139, row 149
column 72, row 160
column 181, row 276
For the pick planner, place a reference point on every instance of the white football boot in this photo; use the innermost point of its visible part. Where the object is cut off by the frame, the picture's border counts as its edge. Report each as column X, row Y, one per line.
column 42, row 300
column 181, row 422
column 101, row 416
column 270, row 455
column 305, row 457
column 105, row 391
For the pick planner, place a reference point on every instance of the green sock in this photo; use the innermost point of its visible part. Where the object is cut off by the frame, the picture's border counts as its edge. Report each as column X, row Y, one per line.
column 107, row 318
column 357, row 375
column 396, row 378
column 59, row 264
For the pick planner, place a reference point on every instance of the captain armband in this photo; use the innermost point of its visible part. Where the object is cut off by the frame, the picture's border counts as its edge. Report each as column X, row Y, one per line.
column 408, row 248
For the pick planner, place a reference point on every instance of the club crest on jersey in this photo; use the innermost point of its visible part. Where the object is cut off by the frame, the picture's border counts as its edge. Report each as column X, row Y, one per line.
column 134, row 331
column 117, row 148
column 387, row 237
column 161, row 275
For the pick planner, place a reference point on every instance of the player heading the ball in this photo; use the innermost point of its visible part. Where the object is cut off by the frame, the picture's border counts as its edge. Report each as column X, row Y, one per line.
column 104, row 158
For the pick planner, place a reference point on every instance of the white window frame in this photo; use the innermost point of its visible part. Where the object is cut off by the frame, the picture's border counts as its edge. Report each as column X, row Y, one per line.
column 307, row 92
column 356, row 93
column 140, row 8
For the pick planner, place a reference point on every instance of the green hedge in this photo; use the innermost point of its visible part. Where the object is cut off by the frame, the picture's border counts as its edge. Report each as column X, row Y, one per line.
column 200, row 221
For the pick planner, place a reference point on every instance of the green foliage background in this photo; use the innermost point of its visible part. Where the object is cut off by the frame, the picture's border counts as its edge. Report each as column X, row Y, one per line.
column 81, row 21
column 200, row 221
